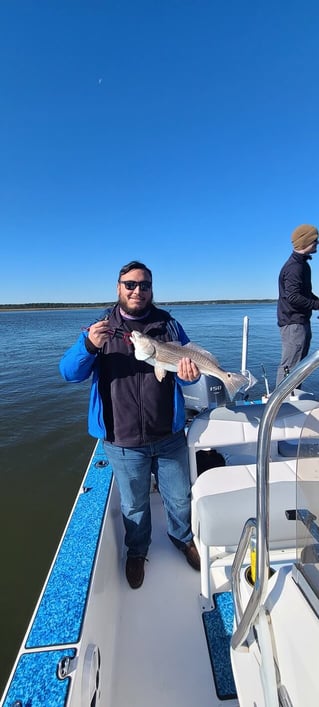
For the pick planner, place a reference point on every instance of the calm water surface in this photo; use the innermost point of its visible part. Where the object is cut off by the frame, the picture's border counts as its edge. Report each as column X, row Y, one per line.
column 44, row 445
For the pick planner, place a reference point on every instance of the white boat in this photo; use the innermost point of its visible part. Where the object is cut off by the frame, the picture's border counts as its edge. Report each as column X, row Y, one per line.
column 245, row 630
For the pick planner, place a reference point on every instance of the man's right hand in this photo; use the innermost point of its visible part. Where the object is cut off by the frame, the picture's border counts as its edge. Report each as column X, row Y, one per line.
column 98, row 333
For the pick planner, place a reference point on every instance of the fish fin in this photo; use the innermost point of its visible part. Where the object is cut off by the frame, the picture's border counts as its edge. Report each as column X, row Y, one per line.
column 160, row 372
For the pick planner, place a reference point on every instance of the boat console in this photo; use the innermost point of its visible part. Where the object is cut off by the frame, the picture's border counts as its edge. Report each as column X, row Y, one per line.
column 256, row 526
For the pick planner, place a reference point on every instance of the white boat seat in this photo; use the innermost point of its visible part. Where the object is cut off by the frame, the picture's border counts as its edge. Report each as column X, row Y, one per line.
column 224, row 497
column 233, row 432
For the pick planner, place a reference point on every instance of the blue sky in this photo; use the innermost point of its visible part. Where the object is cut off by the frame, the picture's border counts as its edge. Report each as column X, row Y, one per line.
column 183, row 133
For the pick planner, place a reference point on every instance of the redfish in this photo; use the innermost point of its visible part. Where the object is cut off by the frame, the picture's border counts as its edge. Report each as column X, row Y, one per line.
column 165, row 356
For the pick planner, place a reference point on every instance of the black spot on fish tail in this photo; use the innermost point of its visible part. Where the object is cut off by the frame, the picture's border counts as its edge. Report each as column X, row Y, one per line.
column 234, row 382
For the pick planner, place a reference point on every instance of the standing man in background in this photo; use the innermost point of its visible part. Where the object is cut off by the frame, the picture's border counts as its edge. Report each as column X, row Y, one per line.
column 296, row 300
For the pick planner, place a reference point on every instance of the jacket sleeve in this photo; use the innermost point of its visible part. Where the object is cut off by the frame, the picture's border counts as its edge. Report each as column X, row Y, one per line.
column 77, row 363
column 177, row 332
column 294, row 289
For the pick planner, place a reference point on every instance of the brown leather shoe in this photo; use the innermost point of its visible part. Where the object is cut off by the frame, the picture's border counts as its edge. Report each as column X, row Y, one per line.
column 135, row 571
column 192, row 556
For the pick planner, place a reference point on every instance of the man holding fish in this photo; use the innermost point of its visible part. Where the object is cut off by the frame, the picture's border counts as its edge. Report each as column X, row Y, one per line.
column 139, row 410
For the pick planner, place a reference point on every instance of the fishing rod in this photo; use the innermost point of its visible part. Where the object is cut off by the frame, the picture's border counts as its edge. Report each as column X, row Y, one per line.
column 265, row 379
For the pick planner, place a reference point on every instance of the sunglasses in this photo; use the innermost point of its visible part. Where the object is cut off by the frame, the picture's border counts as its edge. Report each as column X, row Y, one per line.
column 144, row 285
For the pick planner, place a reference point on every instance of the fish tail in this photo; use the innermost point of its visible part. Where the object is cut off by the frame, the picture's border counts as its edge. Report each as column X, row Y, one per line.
column 234, row 382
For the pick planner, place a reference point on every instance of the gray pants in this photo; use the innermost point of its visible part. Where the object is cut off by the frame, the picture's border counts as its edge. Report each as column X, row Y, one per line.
column 295, row 342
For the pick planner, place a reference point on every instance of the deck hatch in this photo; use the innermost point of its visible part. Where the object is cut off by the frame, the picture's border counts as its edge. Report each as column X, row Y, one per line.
column 35, row 680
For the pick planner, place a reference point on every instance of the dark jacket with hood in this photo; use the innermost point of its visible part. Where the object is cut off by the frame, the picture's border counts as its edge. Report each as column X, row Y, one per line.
column 128, row 405
column 296, row 299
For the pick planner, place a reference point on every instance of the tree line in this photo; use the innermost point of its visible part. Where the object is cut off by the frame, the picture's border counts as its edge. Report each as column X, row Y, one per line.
column 86, row 305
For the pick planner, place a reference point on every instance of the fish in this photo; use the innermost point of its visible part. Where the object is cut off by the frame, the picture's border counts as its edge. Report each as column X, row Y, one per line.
column 165, row 356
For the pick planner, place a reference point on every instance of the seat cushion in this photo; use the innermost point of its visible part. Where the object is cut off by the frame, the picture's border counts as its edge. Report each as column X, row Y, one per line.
column 224, row 498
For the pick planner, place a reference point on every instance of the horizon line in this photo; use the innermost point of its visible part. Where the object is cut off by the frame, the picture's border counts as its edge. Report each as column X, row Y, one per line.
column 68, row 305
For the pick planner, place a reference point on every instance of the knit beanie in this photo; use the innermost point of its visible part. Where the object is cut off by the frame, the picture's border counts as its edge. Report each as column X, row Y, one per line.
column 303, row 236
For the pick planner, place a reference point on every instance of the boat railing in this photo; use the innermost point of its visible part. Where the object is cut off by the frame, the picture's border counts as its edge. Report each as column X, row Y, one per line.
column 246, row 618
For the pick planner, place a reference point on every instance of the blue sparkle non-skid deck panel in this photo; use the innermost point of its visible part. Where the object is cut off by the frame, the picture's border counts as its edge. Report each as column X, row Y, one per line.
column 60, row 614
column 59, row 618
column 36, row 683
column 218, row 624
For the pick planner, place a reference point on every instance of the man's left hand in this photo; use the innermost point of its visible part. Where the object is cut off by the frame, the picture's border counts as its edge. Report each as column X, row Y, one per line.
column 187, row 370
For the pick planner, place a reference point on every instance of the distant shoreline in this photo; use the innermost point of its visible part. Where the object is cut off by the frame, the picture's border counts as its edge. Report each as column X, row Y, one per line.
column 103, row 305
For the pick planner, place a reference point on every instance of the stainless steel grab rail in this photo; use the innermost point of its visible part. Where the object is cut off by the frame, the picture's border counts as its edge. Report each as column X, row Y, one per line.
column 245, row 620
column 243, row 544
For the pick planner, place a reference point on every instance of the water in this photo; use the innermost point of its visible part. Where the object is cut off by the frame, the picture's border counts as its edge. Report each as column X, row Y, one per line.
column 44, row 445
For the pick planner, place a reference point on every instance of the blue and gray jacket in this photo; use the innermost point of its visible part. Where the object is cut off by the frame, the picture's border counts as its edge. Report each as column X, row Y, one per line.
column 128, row 406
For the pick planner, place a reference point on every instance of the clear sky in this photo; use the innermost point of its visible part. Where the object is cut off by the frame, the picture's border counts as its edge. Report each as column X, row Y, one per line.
column 183, row 133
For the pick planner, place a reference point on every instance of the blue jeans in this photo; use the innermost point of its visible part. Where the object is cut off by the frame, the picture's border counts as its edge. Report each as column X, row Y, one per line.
column 167, row 459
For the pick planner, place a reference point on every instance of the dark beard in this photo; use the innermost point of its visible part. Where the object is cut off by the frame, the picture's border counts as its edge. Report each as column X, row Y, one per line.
column 135, row 311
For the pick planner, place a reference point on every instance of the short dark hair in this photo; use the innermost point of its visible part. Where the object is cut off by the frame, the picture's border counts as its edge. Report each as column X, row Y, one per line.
column 134, row 265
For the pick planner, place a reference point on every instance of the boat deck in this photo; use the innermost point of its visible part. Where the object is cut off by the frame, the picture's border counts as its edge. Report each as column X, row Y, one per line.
column 135, row 647
column 162, row 654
